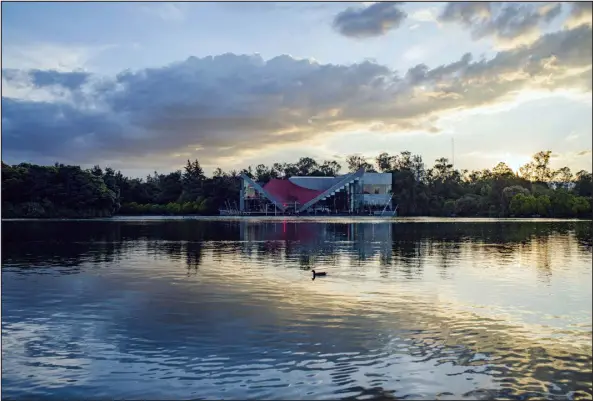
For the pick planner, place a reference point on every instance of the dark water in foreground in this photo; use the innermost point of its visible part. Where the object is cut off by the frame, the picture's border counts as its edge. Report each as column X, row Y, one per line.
column 219, row 309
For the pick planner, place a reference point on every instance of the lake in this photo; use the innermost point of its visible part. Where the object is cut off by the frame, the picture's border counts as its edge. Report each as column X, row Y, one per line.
column 198, row 308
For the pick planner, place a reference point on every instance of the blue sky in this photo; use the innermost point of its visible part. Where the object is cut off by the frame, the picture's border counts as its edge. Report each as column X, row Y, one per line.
column 139, row 86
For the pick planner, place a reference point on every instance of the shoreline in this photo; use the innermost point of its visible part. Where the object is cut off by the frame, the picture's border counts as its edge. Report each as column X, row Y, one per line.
column 399, row 219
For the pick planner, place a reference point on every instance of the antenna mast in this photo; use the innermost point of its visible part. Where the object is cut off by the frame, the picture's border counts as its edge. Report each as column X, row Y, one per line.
column 453, row 151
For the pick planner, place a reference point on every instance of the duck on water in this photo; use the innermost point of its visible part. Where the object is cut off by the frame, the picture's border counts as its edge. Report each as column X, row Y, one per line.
column 318, row 274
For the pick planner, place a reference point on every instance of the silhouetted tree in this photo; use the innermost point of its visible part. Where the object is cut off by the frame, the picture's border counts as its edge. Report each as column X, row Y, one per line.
column 68, row 191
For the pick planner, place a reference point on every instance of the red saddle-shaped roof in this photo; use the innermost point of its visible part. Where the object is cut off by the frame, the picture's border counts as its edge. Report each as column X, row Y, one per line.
column 287, row 192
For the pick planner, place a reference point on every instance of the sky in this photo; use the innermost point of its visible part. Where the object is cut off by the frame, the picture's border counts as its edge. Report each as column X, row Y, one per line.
column 145, row 86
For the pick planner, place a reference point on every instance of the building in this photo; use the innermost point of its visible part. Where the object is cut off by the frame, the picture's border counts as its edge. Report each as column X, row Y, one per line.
column 559, row 184
column 359, row 193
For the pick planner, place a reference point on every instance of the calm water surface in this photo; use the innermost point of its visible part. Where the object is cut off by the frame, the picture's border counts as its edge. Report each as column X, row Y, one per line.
column 226, row 309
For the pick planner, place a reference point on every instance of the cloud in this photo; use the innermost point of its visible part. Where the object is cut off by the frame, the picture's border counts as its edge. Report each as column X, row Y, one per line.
column 508, row 23
column 222, row 107
column 424, row 15
column 44, row 56
column 170, row 12
column 572, row 137
column 573, row 158
column 580, row 13
column 40, row 85
column 70, row 81
column 365, row 22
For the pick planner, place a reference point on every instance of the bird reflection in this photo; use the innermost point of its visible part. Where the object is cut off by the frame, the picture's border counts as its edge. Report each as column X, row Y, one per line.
column 318, row 274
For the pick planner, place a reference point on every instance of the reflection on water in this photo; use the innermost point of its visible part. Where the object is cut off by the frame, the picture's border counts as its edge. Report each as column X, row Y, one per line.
column 227, row 309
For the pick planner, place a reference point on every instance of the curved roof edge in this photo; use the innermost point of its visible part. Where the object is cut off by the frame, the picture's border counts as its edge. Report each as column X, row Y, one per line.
column 314, row 183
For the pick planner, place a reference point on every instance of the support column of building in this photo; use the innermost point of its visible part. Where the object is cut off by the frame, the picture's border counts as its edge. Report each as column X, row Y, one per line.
column 242, row 196
column 347, row 192
column 356, row 190
column 351, row 197
column 352, row 193
column 347, row 197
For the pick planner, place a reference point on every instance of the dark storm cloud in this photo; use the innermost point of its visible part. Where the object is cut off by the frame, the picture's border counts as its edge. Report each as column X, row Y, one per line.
column 504, row 21
column 222, row 106
column 374, row 20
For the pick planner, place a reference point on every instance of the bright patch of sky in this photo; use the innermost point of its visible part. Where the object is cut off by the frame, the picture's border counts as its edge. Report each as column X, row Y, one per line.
column 109, row 38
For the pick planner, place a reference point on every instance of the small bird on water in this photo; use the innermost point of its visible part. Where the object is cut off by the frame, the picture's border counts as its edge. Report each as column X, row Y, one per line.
column 318, row 274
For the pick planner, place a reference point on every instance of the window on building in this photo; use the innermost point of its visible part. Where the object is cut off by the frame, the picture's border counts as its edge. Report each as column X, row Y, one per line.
column 376, row 189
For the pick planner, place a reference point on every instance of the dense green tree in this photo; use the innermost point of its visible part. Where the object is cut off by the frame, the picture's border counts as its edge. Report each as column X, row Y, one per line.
column 265, row 174
column 562, row 203
column 54, row 191
column 248, row 172
column 330, row 168
column 541, row 162
column 289, row 170
column 355, row 162
column 468, row 205
column 544, row 206
column 409, row 193
column 170, row 187
column 502, row 170
column 523, row 205
column 192, row 182
column 97, row 171
column 217, row 173
column 307, row 166
column 563, row 175
column 581, row 206
column 509, row 193
column 584, row 184
column 68, row 191
column 383, row 162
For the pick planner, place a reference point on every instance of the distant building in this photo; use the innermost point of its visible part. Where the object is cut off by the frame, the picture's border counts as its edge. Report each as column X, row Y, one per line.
column 558, row 184
column 358, row 192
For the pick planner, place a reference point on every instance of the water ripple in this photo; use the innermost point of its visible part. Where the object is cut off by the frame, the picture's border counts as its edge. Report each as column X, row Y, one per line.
column 209, row 310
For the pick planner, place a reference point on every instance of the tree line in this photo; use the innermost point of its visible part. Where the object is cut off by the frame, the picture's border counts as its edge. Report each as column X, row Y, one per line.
column 30, row 190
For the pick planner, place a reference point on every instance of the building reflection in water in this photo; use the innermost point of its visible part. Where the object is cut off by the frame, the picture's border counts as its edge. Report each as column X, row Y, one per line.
column 405, row 247
column 310, row 242
column 457, row 306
